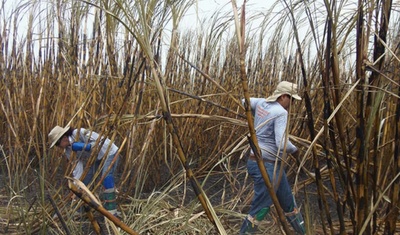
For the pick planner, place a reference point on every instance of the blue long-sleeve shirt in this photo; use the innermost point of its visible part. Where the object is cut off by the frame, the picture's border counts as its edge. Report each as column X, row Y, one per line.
column 270, row 120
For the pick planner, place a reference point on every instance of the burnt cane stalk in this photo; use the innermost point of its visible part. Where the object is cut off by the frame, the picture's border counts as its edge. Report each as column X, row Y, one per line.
column 253, row 139
column 361, row 179
column 330, row 60
column 140, row 36
column 374, row 98
column 310, row 122
column 393, row 211
column 208, row 209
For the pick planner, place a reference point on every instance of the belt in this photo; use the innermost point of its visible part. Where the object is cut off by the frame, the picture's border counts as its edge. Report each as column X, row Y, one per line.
column 253, row 158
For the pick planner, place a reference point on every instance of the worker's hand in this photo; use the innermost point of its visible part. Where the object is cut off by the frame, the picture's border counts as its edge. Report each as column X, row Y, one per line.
column 79, row 146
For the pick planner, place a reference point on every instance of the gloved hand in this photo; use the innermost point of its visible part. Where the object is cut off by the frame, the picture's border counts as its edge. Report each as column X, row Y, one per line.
column 78, row 146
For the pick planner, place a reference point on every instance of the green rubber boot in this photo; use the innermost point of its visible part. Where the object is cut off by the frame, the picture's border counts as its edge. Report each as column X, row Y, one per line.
column 109, row 200
column 250, row 224
column 296, row 220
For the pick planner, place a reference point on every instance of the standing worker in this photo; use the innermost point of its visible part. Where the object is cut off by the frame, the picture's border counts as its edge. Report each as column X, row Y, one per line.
column 82, row 142
column 270, row 121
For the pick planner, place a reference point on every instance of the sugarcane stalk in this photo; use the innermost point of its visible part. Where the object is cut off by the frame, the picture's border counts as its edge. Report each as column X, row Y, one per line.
column 253, row 138
column 63, row 224
column 208, row 209
column 84, row 194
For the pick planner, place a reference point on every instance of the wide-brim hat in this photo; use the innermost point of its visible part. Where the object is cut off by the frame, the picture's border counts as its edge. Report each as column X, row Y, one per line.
column 284, row 88
column 56, row 133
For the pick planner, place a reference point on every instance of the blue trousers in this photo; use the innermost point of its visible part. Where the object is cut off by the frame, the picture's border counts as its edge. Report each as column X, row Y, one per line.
column 261, row 198
column 108, row 196
column 96, row 166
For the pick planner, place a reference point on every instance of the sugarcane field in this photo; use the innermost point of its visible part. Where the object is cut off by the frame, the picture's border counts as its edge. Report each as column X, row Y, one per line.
column 199, row 117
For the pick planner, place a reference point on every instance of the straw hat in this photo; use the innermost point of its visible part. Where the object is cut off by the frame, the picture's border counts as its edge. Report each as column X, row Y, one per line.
column 56, row 133
column 284, row 88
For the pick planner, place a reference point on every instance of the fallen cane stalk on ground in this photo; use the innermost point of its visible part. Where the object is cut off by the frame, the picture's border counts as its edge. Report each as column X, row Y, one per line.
column 80, row 190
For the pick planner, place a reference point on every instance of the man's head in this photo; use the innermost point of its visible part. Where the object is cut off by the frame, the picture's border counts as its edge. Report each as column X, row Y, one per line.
column 56, row 134
column 284, row 93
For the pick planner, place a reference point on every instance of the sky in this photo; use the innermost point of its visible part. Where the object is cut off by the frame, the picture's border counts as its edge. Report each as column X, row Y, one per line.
column 204, row 8
column 201, row 10
column 208, row 6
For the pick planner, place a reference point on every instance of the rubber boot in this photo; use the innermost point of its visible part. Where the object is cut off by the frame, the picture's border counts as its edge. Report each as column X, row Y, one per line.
column 109, row 199
column 250, row 224
column 109, row 196
column 296, row 220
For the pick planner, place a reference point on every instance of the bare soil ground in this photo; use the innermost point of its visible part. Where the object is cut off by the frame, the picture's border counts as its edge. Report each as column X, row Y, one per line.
column 223, row 194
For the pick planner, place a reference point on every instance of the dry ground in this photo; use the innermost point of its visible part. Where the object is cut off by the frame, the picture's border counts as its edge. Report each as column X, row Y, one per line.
column 222, row 194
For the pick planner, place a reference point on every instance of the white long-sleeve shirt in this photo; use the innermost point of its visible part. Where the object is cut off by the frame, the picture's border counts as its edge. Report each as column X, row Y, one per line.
column 270, row 120
column 88, row 137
